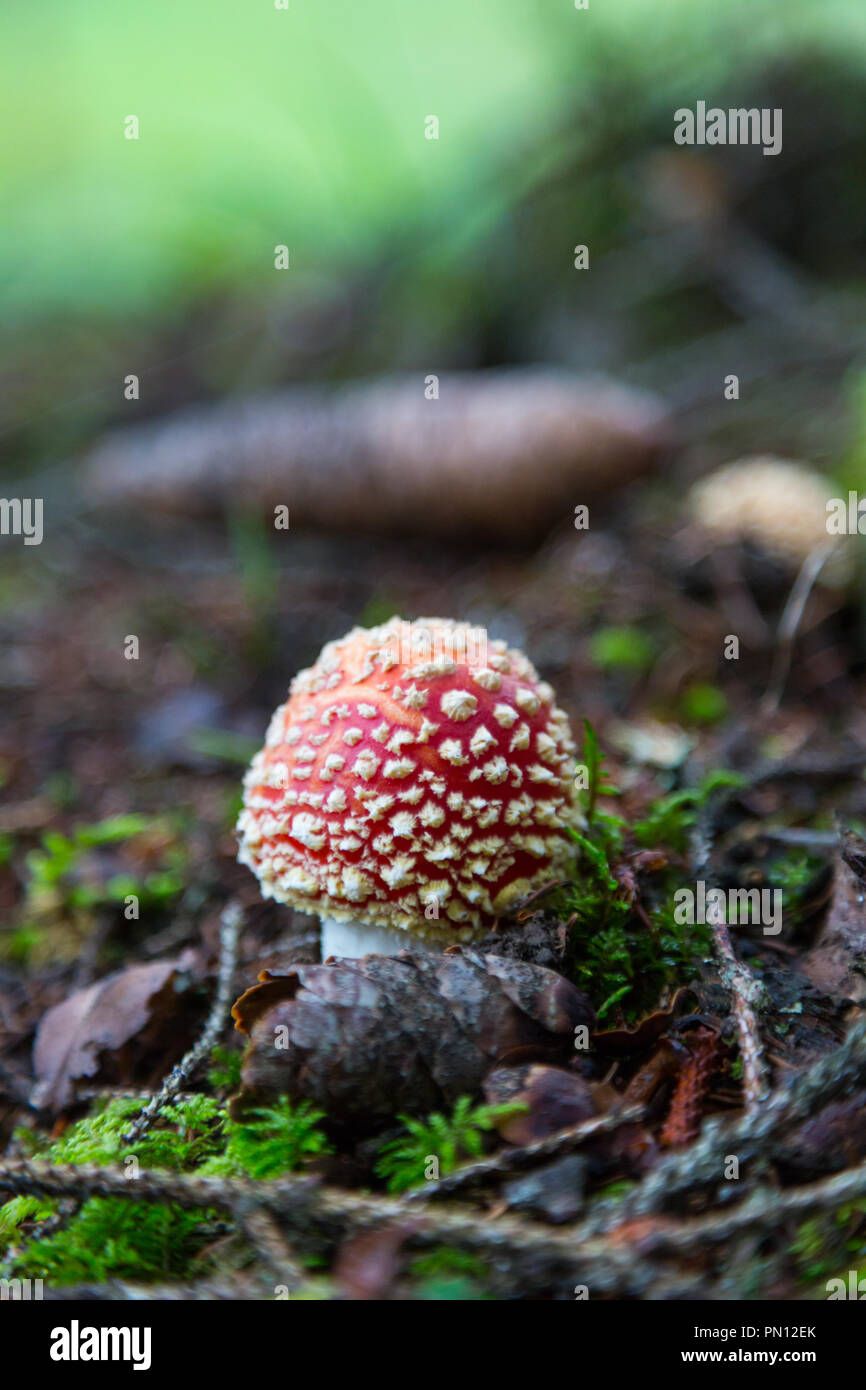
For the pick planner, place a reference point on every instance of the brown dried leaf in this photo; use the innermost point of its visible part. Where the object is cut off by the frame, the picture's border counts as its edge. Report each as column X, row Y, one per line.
column 367, row 1264
column 662, row 1066
column 619, row 1042
column 73, row 1036
column 836, row 963
column 554, row 1099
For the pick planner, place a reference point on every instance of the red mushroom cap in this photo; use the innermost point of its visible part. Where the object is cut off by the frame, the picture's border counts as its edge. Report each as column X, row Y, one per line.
column 418, row 776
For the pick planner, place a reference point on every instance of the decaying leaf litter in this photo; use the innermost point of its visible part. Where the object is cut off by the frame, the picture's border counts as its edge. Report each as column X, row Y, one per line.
column 591, row 1166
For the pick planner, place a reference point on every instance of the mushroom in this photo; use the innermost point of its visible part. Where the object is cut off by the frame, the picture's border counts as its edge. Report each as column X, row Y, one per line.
column 775, row 504
column 416, row 783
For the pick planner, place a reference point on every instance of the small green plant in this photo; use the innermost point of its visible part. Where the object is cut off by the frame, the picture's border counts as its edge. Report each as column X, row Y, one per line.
column 703, row 703
column 188, row 1132
column 271, row 1140
column 17, row 1211
column 404, row 1161
column 115, row 1238
column 823, row 1243
column 594, row 782
column 795, row 874
column 225, row 1069
column 622, row 649
column 622, row 958
column 670, row 819
column 65, row 873
column 112, row 1238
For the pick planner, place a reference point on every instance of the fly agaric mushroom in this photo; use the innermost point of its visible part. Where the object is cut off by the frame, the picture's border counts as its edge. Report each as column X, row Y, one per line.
column 417, row 781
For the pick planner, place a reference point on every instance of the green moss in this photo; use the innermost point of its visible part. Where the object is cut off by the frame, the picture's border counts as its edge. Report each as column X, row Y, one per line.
column 115, row 1238
column 271, row 1140
column 65, row 873
column 225, row 1068
column 449, row 1140
column 111, row 1237
column 795, row 874
column 612, row 953
column 830, row 1246
column 669, row 820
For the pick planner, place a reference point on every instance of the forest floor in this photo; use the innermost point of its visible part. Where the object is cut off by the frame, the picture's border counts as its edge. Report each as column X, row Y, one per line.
column 121, row 766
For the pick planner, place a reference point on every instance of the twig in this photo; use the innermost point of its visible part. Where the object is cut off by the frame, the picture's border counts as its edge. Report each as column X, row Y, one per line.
column 510, row 1160
column 745, row 992
column 744, row 989
column 616, row 1260
column 109, row 1093
column 763, row 1210
column 790, row 623
column 751, row 1136
column 181, row 1073
column 242, row 1288
column 522, row 1254
column 262, row 1231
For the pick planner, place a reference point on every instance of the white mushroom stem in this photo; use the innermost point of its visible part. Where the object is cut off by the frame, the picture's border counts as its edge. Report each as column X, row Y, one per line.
column 354, row 939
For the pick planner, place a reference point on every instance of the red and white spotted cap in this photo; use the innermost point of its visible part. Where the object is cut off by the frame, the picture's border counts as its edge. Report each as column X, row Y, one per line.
column 418, row 777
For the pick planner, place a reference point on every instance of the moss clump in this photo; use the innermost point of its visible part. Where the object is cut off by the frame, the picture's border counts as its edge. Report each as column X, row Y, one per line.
column 436, row 1146
column 114, row 1238
column 619, row 956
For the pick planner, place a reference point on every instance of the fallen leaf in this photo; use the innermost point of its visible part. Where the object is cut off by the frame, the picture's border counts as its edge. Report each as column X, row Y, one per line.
column 74, row 1035
column 367, row 1264
column 619, row 1042
column 554, row 1099
column 836, row 964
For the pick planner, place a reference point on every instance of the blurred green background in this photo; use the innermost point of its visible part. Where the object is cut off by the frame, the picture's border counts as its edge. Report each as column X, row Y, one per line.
column 261, row 126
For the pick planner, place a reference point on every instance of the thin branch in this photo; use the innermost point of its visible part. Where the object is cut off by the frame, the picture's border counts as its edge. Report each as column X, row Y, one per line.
column 751, row 1136
column 790, row 622
column 618, row 1260
column 744, row 989
column 185, row 1068
column 765, row 1209
column 510, row 1160
column 522, row 1254
column 745, row 992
